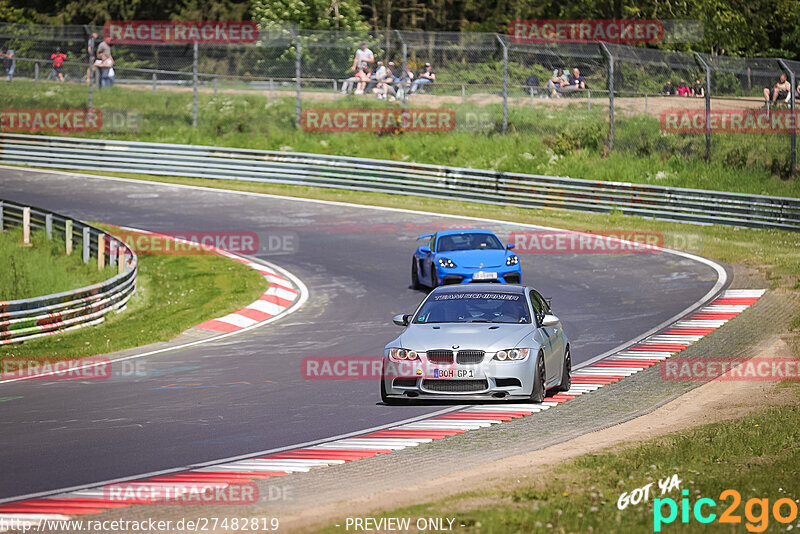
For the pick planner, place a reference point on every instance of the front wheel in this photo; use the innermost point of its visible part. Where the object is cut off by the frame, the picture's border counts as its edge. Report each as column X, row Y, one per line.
column 386, row 399
column 539, row 378
column 566, row 373
column 434, row 278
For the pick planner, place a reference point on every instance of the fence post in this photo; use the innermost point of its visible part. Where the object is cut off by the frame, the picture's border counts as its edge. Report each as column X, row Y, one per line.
column 708, row 103
column 297, row 68
column 91, row 76
column 505, row 82
column 463, row 95
column 87, row 237
column 194, row 84
column 610, row 95
column 101, row 252
column 645, row 104
column 404, row 46
column 26, row 226
column 588, row 100
column 68, row 235
column 335, row 90
column 792, row 79
column 48, row 225
column 1, row 215
column 36, row 73
column 154, row 83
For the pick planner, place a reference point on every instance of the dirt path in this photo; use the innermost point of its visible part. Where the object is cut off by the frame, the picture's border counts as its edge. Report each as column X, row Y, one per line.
column 712, row 402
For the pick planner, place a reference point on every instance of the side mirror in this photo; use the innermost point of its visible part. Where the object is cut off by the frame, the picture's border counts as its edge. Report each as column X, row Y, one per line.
column 509, row 246
column 549, row 301
column 401, row 320
column 550, row 320
column 425, row 249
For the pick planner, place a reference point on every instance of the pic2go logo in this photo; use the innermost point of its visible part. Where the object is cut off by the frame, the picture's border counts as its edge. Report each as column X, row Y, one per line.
column 756, row 511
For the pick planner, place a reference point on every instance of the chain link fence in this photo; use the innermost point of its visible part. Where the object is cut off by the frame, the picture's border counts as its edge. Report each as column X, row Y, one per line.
column 493, row 85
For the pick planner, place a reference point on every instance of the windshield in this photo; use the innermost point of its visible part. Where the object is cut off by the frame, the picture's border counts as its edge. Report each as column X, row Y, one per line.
column 483, row 307
column 468, row 242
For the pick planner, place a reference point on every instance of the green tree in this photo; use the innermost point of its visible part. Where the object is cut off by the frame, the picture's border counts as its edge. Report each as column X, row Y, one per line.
column 344, row 15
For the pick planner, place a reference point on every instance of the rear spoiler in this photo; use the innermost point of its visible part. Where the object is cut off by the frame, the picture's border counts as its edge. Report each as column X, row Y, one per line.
column 423, row 236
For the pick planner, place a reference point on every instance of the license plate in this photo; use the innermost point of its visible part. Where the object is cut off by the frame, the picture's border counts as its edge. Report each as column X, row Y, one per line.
column 481, row 275
column 453, row 374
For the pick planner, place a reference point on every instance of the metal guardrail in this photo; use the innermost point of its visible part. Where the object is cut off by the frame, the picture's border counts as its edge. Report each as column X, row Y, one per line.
column 492, row 187
column 25, row 319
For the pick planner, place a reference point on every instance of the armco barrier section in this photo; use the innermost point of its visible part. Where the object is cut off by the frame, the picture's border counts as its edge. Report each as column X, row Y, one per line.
column 25, row 319
column 501, row 188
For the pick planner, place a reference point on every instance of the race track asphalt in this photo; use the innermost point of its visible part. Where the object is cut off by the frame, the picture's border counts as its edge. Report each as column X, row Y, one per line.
column 246, row 393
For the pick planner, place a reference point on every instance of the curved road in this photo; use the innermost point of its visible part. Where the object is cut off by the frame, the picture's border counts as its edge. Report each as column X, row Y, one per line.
column 246, row 394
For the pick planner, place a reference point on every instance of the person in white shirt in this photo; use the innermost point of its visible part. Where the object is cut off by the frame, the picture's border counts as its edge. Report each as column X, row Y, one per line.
column 364, row 57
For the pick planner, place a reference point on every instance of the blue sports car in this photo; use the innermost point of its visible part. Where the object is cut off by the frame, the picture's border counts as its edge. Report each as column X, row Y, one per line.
column 463, row 256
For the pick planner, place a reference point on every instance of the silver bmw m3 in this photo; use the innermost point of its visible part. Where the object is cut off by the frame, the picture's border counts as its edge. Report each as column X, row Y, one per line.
column 477, row 341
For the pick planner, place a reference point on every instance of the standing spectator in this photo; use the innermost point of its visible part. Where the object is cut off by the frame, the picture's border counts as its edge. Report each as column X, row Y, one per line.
column 91, row 53
column 427, row 76
column 105, row 63
column 364, row 57
column 683, row 89
column 558, row 81
column 9, row 62
column 699, row 91
column 58, row 58
column 669, row 89
column 780, row 91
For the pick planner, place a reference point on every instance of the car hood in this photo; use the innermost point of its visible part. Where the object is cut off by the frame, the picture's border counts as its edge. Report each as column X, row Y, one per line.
column 473, row 259
column 489, row 337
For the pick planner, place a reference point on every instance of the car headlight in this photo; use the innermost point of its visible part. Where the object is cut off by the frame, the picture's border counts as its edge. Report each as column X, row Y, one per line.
column 403, row 354
column 512, row 260
column 511, row 355
column 444, row 262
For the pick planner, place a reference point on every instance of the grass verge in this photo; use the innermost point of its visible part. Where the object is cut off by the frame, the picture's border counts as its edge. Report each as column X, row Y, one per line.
column 567, row 140
column 43, row 268
column 173, row 294
column 757, row 455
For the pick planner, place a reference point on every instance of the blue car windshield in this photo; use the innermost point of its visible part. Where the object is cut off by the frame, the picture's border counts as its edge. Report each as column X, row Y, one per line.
column 448, row 243
column 474, row 307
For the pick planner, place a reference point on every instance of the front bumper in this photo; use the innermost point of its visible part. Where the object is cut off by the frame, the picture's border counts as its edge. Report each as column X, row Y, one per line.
column 507, row 274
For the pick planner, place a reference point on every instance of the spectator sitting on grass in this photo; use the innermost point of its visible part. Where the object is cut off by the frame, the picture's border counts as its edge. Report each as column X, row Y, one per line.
column 669, row 89
column 576, row 82
column 385, row 88
column 364, row 57
column 683, row 89
column 352, row 81
column 558, row 81
column 780, row 91
column 698, row 91
column 425, row 77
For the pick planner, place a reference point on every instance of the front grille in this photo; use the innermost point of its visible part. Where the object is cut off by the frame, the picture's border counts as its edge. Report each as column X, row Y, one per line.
column 455, row 386
column 440, row 356
column 404, row 382
column 470, row 356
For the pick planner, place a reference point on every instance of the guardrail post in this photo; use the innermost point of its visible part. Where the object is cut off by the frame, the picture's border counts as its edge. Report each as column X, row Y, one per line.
column 87, row 237
column 112, row 251
column 101, row 252
column 708, row 103
column 26, row 226
column 505, row 83
column 792, row 79
column 120, row 260
column 154, row 83
column 36, row 73
column 194, row 87
column 48, row 225
column 610, row 95
column 68, row 235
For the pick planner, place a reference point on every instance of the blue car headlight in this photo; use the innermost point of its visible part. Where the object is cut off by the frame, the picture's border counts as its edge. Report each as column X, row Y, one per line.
column 444, row 262
column 512, row 260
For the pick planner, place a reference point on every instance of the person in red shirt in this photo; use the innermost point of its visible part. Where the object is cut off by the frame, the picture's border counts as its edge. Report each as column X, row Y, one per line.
column 58, row 58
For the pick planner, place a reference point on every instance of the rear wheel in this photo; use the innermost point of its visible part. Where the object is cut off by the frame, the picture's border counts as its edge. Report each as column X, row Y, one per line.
column 538, row 393
column 566, row 374
column 414, row 275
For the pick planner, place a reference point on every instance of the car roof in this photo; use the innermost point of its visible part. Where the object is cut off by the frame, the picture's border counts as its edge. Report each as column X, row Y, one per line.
column 462, row 231
column 490, row 287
